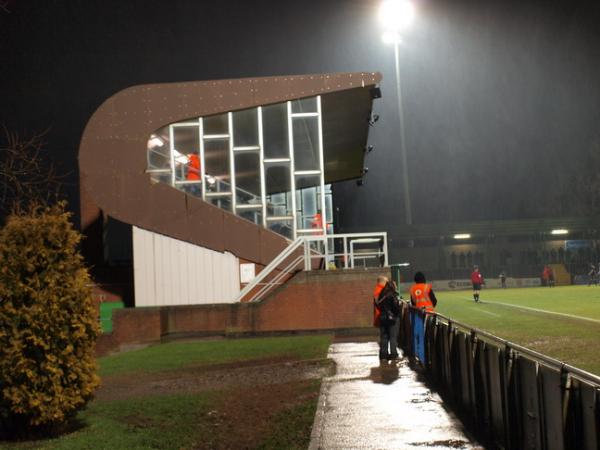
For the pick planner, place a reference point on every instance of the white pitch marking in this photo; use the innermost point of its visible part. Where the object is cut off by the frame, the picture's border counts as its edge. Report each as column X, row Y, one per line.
column 546, row 312
column 481, row 310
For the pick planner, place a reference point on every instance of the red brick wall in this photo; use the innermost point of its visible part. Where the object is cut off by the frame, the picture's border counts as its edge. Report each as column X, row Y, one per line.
column 320, row 300
column 310, row 301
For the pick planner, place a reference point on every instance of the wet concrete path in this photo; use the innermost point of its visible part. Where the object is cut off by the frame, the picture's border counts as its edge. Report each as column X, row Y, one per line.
column 368, row 405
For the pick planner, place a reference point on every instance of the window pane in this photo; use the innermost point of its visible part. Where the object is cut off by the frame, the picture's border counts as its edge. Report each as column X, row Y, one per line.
column 245, row 128
column 216, row 124
column 247, row 178
column 275, row 131
column 187, row 149
column 252, row 216
column 277, row 178
column 283, row 227
column 279, row 205
column 306, row 143
column 304, row 105
column 305, row 181
column 221, row 202
column 158, row 150
column 216, row 157
column 308, row 208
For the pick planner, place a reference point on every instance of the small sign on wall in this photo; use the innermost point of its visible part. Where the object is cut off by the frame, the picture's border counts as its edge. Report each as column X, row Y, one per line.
column 247, row 272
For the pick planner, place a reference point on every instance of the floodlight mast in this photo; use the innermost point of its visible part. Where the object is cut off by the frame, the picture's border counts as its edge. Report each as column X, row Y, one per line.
column 396, row 15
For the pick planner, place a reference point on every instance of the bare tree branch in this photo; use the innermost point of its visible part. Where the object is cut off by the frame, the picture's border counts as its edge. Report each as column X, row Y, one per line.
column 27, row 175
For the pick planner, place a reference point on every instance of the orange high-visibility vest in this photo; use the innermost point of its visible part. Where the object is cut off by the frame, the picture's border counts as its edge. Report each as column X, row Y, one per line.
column 419, row 293
column 193, row 167
column 376, row 310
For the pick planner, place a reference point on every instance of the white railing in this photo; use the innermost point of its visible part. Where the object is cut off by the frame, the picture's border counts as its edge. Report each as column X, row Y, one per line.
column 375, row 243
column 260, row 283
column 314, row 252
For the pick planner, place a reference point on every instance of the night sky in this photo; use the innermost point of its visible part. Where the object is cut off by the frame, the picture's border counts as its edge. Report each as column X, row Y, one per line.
column 501, row 98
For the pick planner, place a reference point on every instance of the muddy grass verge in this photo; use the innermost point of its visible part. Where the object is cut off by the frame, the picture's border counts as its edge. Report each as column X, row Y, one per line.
column 248, row 374
column 259, row 404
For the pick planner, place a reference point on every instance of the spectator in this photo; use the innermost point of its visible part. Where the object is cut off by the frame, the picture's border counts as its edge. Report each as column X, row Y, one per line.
column 502, row 277
column 421, row 294
column 388, row 304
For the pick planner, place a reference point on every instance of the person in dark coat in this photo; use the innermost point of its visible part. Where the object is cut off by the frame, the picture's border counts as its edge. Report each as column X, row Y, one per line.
column 389, row 306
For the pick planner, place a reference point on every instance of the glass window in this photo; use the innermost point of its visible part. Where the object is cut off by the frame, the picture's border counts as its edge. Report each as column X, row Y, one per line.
column 306, row 143
column 308, row 207
column 245, row 128
column 275, row 131
column 221, row 202
column 247, row 178
column 186, row 148
column 305, row 181
column 279, row 205
column 158, row 151
column 305, row 105
column 277, row 178
column 216, row 124
column 283, row 227
column 251, row 215
column 161, row 177
column 216, row 157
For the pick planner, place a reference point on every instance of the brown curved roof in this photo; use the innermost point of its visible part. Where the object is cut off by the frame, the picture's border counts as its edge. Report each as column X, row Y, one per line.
column 112, row 156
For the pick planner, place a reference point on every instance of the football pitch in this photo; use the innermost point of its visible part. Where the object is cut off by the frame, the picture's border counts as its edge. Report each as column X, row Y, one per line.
column 561, row 322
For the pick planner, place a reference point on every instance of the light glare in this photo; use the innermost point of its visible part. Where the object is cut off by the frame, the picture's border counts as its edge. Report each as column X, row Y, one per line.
column 560, row 231
column 462, row 236
column 390, row 37
column 396, row 15
column 155, row 141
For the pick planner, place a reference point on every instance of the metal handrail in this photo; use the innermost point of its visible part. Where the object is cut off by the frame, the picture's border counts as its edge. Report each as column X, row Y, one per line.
column 263, row 287
column 295, row 245
column 276, row 281
column 540, row 357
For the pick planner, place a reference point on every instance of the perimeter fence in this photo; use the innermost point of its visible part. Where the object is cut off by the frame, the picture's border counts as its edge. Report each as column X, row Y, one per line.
column 509, row 396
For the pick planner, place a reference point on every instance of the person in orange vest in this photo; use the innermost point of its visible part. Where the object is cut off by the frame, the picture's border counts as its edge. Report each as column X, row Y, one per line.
column 387, row 311
column 381, row 282
column 421, row 294
column 193, row 167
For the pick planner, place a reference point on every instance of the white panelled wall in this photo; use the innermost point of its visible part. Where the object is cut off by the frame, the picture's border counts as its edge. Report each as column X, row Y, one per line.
column 168, row 271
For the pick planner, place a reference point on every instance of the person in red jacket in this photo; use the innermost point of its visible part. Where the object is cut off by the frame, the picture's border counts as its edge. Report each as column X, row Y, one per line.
column 477, row 280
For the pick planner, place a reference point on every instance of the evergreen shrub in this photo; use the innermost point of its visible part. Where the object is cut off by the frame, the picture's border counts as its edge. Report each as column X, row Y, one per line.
column 48, row 324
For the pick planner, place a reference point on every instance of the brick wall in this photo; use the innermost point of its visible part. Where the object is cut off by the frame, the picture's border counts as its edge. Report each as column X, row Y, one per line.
column 310, row 301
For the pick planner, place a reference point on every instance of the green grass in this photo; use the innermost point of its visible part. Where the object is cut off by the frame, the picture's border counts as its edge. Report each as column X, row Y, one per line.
column 178, row 355
column 155, row 422
column 176, row 422
column 199, row 420
column 570, row 339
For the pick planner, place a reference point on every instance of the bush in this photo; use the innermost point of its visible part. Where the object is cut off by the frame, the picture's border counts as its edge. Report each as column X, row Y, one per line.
column 48, row 324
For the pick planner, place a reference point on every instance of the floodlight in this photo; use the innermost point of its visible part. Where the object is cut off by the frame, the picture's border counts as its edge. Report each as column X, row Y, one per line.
column 559, row 231
column 462, row 236
column 395, row 15
column 406, row 264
